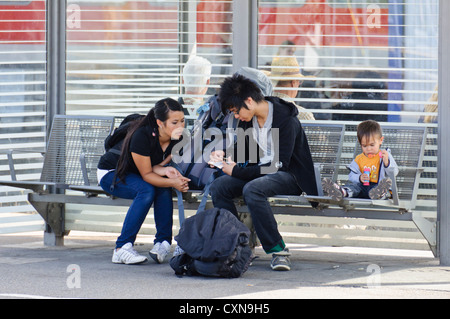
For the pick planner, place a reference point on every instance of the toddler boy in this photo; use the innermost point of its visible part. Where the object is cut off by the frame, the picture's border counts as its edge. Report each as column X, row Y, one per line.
column 368, row 171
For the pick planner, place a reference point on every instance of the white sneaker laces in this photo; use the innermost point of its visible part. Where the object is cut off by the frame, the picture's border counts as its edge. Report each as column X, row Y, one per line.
column 128, row 253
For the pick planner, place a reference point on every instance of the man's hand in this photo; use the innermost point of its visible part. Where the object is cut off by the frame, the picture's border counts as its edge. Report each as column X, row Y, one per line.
column 228, row 166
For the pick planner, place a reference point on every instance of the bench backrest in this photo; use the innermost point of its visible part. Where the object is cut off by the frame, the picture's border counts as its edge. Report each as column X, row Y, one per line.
column 72, row 140
column 407, row 144
column 325, row 143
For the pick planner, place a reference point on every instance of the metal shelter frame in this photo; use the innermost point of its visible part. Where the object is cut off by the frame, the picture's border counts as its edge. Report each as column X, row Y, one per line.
column 443, row 221
column 245, row 42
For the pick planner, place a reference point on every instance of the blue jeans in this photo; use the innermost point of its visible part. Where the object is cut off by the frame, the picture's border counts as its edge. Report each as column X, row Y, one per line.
column 359, row 190
column 225, row 188
column 143, row 195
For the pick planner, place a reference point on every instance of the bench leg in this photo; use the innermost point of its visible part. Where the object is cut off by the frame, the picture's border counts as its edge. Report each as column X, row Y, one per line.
column 246, row 219
column 52, row 239
column 53, row 215
column 428, row 230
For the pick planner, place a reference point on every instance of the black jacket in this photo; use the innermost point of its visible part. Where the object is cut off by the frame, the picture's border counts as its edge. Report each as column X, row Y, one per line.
column 294, row 155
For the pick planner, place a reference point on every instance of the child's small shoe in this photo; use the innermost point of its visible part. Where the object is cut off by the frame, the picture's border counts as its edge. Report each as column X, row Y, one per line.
column 381, row 191
column 332, row 189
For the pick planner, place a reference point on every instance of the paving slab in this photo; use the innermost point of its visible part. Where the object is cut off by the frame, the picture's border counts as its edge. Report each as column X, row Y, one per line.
column 82, row 268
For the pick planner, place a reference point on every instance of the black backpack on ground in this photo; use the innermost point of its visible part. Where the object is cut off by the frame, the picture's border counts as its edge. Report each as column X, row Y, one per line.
column 215, row 244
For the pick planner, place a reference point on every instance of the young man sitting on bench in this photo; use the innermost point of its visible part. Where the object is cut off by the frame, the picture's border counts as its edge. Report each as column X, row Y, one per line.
column 276, row 160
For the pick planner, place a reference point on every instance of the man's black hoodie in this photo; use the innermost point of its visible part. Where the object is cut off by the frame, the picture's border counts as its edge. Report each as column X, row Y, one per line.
column 294, row 155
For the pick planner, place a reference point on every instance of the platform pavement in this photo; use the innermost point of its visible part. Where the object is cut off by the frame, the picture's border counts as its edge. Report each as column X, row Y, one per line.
column 83, row 269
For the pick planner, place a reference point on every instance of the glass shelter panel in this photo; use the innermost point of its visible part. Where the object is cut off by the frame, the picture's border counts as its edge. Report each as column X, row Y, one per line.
column 123, row 56
column 22, row 106
column 369, row 59
column 358, row 60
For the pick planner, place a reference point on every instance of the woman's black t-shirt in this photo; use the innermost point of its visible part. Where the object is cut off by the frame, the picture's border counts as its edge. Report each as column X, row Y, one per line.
column 144, row 142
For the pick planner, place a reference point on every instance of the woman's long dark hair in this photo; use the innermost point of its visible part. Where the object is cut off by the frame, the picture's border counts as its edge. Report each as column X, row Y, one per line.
column 159, row 112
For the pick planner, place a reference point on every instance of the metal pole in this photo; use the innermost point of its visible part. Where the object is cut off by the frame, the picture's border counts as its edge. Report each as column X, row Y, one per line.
column 56, row 83
column 56, row 59
column 187, row 26
column 444, row 134
column 245, row 33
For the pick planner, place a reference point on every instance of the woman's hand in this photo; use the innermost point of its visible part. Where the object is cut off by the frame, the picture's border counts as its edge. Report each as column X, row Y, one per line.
column 172, row 172
column 155, row 175
column 181, row 183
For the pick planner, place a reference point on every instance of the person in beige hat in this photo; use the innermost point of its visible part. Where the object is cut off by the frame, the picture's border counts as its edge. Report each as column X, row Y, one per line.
column 286, row 79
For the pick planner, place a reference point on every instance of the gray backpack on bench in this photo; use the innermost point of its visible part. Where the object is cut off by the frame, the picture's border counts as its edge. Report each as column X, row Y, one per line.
column 211, row 116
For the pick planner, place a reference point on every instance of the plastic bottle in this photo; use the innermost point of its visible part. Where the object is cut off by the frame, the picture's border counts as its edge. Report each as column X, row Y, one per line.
column 367, row 171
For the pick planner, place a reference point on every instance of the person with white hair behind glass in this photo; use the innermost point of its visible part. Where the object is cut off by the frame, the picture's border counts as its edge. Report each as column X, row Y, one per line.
column 196, row 78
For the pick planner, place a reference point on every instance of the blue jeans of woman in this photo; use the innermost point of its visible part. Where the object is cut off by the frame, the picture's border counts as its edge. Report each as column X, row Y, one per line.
column 144, row 195
column 255, row 194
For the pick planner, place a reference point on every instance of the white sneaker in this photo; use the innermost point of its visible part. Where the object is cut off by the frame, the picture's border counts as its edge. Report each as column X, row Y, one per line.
column 127, row 255
column 178, row 251
column 160, row 251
